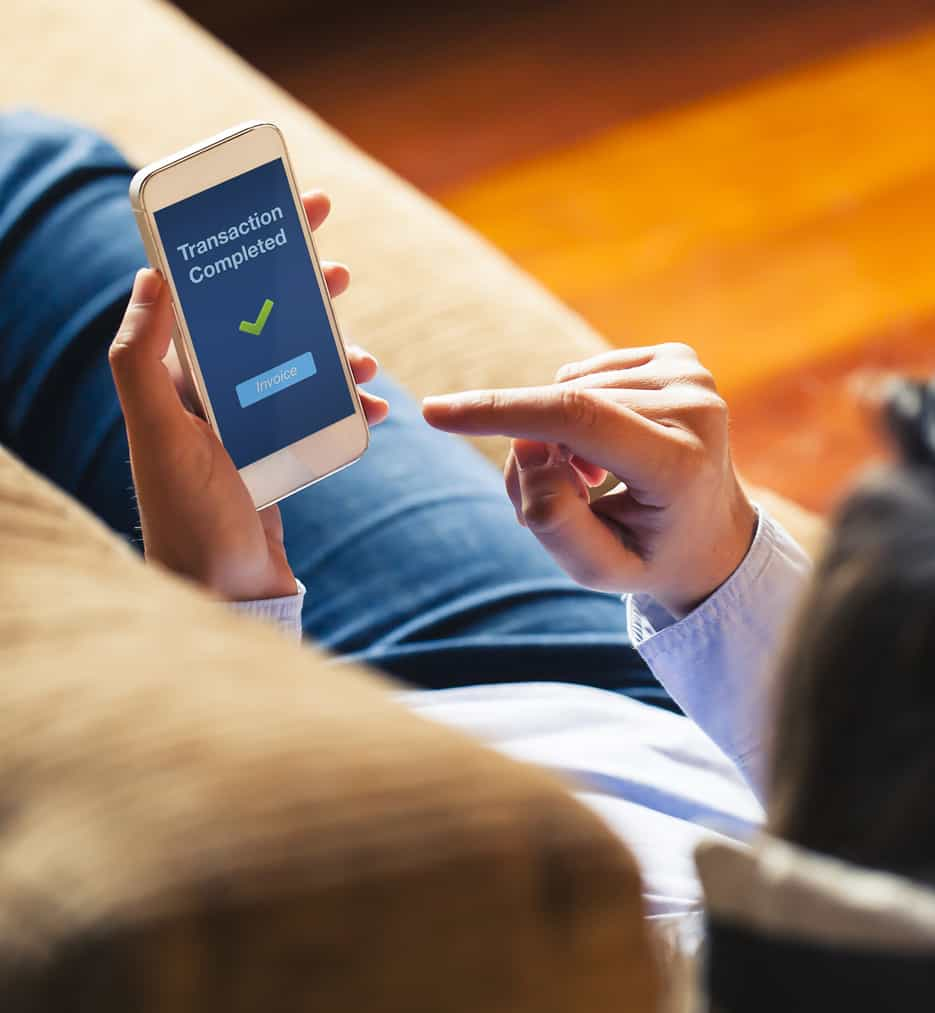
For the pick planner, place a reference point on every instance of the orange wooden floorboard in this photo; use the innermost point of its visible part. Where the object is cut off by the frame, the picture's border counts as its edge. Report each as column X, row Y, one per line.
column 767, row 227
column 804, row 434
column 786, row 230
column 444, row 93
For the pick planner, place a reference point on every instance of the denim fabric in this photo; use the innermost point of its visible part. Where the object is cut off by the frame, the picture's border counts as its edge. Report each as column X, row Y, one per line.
column 413, row 559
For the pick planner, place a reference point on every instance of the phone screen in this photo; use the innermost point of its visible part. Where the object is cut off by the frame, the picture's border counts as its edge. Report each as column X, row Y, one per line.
column 255, row 313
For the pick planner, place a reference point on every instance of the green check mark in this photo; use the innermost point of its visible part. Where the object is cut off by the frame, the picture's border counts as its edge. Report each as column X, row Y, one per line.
column 255, row 327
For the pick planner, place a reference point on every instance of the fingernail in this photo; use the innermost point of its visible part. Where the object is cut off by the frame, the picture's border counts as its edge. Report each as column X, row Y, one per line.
column 146, row 286
column 445, row 403
column 530, row 454
column 449, row 400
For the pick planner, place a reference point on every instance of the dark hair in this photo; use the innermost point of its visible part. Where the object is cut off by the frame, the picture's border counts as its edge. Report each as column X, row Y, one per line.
column 853, row 754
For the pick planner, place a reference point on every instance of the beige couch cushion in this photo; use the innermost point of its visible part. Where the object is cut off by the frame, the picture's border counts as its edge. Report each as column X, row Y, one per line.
column 197, row 814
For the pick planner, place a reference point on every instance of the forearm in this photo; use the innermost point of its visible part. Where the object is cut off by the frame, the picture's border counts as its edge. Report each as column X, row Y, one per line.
column 717, row 662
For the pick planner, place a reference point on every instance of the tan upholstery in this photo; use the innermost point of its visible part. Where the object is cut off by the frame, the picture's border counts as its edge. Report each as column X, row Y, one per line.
column 198, row 815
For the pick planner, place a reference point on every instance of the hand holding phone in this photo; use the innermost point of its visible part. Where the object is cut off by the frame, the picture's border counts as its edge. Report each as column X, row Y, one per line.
column 255, row 332
column 198, row 517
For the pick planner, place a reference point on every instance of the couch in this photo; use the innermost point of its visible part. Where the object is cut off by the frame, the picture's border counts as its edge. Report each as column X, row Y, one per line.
column 195, row 814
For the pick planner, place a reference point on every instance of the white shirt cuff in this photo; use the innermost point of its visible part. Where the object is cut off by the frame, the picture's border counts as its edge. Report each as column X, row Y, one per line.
column 285, row 612
column 717, row 662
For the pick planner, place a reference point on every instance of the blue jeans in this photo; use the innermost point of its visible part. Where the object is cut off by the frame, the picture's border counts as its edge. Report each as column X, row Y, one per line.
column 413, row 559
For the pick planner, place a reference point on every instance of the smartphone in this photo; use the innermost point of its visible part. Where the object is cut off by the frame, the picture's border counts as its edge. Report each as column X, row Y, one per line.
column 255, row 330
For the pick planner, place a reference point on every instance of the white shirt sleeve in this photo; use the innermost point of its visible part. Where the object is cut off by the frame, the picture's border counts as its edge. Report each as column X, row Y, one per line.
column 718, row 661
column 285, row 612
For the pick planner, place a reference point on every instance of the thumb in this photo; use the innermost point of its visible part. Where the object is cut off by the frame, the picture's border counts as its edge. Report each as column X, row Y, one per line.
column 556, row 510
column 147, row 393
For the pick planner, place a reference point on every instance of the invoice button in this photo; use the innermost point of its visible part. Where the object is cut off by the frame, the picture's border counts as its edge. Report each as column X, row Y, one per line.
column 271, row 381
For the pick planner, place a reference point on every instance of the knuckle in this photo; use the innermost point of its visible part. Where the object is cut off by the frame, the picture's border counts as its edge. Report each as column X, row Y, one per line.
column 579, row 408
column 492, row 400
column 121, row 349
column 717, row 405
column 702, row 424
column 705, row 402
column 713, row 408
column 681, row 372
column 705, row 378
column 543, row 513
column 678, row 350
column 690, row 457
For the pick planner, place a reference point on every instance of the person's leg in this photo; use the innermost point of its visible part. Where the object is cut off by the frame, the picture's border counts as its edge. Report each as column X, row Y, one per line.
column 68, row 252
column 412, row 558
column 414, row 562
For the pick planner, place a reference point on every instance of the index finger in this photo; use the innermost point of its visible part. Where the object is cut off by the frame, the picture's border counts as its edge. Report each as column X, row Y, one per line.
column 591, row 423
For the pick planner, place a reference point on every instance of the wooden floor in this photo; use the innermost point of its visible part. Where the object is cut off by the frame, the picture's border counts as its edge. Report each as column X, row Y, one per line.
column 786, row 230
column 756, row 179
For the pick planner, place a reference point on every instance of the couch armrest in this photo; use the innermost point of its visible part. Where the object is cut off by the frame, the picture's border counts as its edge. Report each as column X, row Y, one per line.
column 197, row 814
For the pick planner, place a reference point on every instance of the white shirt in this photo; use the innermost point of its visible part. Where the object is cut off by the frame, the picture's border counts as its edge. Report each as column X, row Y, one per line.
column 661, row 781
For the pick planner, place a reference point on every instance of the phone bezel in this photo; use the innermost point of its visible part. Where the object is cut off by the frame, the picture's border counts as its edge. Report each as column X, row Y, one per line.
column 185, row 174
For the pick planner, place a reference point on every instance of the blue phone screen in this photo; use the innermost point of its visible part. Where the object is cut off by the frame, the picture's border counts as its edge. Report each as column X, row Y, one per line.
column 255, row 313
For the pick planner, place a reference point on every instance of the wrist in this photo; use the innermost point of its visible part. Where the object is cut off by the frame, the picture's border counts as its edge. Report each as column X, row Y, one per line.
column 278, row 582
column 223, row 577
column 718, row 559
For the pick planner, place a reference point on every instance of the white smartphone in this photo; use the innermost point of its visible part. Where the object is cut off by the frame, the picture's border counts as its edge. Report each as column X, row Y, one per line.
column 255, row 330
